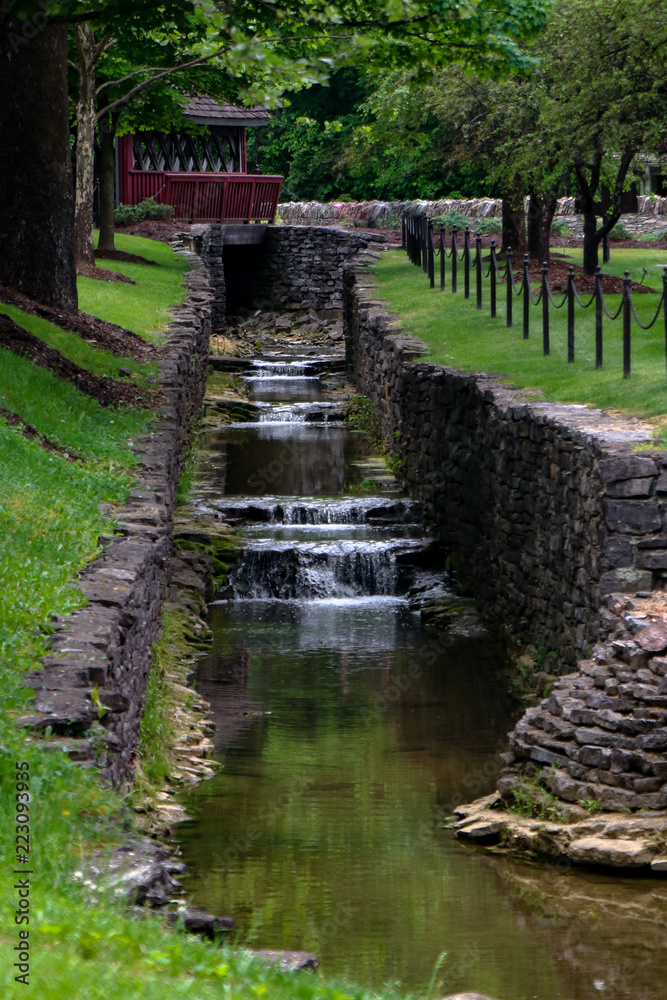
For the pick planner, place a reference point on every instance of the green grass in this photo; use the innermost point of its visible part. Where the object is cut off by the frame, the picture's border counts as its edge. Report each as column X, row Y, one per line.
column 144, row 308
column 458, row 335
column 75, row 421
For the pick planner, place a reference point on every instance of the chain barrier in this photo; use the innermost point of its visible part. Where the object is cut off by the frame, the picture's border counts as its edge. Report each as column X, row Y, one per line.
column 417, row 239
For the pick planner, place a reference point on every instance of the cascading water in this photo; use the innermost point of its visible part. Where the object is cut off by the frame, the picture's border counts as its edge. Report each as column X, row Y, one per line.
column 347, row 730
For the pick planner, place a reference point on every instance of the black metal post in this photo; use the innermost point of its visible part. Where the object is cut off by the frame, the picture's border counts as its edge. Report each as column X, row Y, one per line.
column 545, row 309
column 455, row 259
column 418, row 244
column 442, row 258
column 509, row 289
column 492, row 279
column 478, row 276
column 431, row 261
column 466, row 263
column 526, row 297
column 425, row 244
column 403, row 232
column 570, row 314
column 627, row 319
column 606, row 249
column 598, row 317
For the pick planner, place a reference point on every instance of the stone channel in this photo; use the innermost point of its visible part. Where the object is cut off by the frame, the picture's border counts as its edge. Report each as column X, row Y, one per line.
column 349, row 731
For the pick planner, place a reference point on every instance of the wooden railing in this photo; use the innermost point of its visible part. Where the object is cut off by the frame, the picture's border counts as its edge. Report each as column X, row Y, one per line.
column 207, row 197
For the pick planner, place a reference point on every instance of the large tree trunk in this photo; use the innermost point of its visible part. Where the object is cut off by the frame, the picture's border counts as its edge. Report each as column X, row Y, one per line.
column 514, row 219
column 36, row 190
column 541, row 210
column 85, row 147
column 590, row 237
column 106, row 163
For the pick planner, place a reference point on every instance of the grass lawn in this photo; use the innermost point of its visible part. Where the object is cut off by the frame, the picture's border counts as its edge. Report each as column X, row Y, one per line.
column 145, row 307
column 460, row 336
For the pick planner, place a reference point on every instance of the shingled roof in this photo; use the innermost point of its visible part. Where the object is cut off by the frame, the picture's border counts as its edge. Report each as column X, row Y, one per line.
column 204, row 110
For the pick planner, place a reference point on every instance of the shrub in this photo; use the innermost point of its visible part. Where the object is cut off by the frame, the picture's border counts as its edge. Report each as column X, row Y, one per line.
column 619, row 232
column 451, row 219
column 148, row 209
column 559, row 227
column 487, row 227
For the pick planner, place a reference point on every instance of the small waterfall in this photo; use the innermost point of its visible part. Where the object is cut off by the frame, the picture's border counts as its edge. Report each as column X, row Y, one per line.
column 347, row 510
column 301, row 413
column 274, row 369
column 269, row 569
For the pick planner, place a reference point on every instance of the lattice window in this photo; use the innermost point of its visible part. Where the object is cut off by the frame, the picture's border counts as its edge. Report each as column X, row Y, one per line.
column 217, row 152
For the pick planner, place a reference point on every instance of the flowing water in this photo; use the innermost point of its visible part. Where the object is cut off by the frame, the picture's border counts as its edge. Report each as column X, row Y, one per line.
column 348, row 733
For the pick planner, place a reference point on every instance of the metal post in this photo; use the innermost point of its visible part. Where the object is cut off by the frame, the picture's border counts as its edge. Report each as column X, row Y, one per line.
column 425, row 244
column 627, row 317
column 545, row 309
column 478, row 256
column 598, row 317
column 509, row 289
column 664, row 303
column 442, row 258
column 492, row 281
column 431, row 260
column 570, row 314
column 466, row 264
column 606, row 249
column 455, row 259
column 418, row 244
column 526, row 297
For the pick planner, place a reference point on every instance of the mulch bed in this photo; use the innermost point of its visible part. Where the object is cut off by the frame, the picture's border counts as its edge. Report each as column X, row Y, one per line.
column 102, row 274
column 30, row 432
column 96, row 331
column 585, row 283
column 127, row 258
column 107, row 391
column 155, row 229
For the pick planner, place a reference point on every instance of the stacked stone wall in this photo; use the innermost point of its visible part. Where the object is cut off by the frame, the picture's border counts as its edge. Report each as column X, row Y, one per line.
column 544, row 507
column 93, row 683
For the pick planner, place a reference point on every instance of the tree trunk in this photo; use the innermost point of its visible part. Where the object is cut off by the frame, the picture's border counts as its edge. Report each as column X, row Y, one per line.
column 85, row 147
column 36, row 190
column 107, row 173
column 541, row 209
column 514, row 219
column 590, row 237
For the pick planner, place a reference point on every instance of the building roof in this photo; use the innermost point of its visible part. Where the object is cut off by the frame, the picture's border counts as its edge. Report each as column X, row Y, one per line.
column 204, row 110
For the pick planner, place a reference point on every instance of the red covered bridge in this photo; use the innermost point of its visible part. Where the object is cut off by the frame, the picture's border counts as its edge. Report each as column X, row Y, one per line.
column 202, row 174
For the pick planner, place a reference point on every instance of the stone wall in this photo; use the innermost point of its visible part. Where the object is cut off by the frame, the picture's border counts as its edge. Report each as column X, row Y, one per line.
column 651, row 217
column 92, row 686
column 543, row 507
column 296, row 267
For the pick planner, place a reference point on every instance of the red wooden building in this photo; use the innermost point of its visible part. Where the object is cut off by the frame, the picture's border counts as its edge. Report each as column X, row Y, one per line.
column 203, row 175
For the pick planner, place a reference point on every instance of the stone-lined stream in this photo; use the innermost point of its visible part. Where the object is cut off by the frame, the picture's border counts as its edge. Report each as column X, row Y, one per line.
column 347, row 732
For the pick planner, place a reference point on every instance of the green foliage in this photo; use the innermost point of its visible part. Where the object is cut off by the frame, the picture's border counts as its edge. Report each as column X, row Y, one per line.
column 559, row 227
column 488, row 227
column 592, row 806
column 365, row 414
column 124, row 215
column 531, row 800
column 619, row 232
column 452, row 220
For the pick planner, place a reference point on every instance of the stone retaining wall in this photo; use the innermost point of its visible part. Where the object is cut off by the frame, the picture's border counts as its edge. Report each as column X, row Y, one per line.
column 543, row 507
column 94, row 678
column 296, row 267
column 651, row 217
